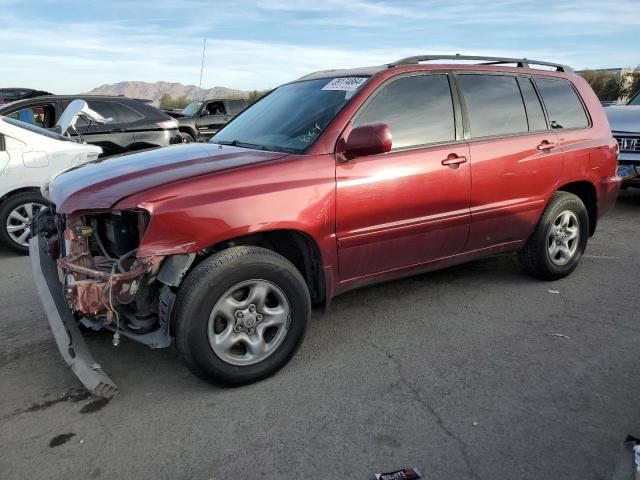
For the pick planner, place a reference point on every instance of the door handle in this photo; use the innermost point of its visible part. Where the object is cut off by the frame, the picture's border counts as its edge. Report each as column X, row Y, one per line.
column 117, row 130
column 546, row 145
column 453, row 161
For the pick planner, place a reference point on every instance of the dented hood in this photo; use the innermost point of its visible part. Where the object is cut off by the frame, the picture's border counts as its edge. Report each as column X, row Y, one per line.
column 101, row 184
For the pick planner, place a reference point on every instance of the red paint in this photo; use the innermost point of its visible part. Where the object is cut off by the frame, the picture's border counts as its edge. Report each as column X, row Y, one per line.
column 373, row 217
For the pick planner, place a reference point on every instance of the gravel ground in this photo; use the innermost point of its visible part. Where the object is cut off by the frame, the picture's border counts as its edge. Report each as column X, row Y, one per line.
column 457, row 372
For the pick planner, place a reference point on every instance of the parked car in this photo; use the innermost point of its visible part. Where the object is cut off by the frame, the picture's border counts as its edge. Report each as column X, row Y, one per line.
column 335, row 181
column 12, row 94
column 29, row 155
column 200, row 120
column 625, row 123
column 134, row 125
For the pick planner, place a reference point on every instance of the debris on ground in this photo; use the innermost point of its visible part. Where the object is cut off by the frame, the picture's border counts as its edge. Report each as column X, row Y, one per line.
column 561, row 335
column 403, row 474
column 555, row 292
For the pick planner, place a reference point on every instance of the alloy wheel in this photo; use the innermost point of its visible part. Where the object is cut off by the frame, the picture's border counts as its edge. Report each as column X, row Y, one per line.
column 249, row 322
column 18, row 223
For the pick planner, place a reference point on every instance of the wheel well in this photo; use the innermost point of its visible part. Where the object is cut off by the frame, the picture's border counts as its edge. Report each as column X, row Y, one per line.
column 188, row 130
column 587, row 193
column 297, row 247
column 17, row 191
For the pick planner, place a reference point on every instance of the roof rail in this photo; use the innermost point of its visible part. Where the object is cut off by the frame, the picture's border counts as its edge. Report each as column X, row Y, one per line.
column 520, row 62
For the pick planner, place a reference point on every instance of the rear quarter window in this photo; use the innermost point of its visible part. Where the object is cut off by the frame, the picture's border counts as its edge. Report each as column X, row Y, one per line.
column 563, row 105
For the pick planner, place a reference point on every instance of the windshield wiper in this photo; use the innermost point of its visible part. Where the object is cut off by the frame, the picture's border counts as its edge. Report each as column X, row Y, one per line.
column 238, row 143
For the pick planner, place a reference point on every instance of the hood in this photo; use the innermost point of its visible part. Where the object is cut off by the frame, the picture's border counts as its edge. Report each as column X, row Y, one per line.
column 101, row 184
column 624, row 118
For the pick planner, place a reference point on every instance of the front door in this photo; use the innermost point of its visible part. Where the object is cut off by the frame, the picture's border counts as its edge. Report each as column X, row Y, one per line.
column 213, row 117
column 411, row 205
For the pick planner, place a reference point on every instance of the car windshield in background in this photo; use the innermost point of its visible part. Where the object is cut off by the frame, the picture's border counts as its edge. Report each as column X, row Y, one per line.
column 291, row 117
column 635, row 100
column 191, row 109
column 35, row 129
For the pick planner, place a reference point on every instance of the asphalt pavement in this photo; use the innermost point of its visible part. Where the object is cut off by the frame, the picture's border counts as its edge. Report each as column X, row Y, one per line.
column 475, row 372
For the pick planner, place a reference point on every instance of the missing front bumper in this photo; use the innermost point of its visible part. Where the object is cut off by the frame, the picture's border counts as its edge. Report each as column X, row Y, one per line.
column 63, row 324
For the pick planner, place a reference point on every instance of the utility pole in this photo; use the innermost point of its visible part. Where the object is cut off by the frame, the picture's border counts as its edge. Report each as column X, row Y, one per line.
column 204, row 47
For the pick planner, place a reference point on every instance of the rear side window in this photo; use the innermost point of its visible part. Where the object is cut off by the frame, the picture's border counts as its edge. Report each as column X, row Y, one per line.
column 564, row 108
column 235, row 106
column 125, row 113
column 105, row 109
column 535, row 114
column 494, row 105
column 418, row 110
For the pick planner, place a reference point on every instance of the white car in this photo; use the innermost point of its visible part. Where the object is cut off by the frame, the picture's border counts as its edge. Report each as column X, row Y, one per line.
column 29, row 155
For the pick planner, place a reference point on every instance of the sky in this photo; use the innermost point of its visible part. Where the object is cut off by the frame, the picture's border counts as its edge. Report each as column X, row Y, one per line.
column 71, row 47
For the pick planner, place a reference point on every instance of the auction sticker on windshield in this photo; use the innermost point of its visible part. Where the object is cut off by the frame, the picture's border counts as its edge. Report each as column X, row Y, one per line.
column 345, row 84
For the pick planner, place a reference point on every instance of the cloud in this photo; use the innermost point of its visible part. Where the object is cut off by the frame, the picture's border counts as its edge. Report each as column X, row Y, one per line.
column 260, row 44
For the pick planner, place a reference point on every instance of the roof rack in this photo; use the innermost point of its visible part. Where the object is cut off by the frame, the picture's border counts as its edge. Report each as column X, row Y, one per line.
column 520, row 62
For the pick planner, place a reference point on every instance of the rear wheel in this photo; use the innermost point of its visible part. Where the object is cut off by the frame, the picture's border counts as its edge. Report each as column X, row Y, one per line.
column 240, row 315
column 16, row 215
column 556, row 246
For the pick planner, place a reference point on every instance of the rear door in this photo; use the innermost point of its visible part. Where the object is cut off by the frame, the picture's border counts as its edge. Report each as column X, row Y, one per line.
column 115, row 136
column 516, row 160
column 405, row 208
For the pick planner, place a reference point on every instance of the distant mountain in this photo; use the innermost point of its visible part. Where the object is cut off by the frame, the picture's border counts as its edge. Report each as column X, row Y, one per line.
column 153, row 91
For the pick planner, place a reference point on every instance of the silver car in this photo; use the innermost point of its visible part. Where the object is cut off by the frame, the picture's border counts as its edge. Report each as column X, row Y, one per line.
column 625, row 124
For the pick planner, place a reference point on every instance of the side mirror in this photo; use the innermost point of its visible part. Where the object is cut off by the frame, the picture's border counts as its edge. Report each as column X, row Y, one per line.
column 204, row 113
column 368, row 140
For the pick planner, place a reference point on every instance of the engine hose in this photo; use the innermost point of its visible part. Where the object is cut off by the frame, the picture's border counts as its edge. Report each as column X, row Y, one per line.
column 124, row 257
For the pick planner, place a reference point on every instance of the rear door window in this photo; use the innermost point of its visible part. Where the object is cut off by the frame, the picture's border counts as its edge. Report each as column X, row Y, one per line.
column 535, row 113
column 235, row 106
column 105, row 109
column 564, row 108
column 125, row 113
column 494, row 105
column 417, row 109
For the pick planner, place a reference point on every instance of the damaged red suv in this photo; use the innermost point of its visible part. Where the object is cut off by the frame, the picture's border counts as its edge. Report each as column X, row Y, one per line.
column 337, row 180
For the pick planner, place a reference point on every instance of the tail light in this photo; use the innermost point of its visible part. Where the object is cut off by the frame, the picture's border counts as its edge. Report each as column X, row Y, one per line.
column 167, row 124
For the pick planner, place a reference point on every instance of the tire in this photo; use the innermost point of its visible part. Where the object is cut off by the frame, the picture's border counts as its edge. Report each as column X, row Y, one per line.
column 14, row 207
column 216, row 288
column 543, row 257
column 187, row 137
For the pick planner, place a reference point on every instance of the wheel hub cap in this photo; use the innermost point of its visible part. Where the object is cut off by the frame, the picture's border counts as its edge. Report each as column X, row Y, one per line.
column 249, row 322
column 563, row 238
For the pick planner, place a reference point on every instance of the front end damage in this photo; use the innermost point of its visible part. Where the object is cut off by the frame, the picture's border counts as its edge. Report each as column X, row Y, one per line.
column 87, row 272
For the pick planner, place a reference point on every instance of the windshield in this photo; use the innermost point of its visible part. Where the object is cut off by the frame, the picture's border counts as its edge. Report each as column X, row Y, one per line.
column 635, row 100
column 291, row 117
column 35, row 129
column 191, row 109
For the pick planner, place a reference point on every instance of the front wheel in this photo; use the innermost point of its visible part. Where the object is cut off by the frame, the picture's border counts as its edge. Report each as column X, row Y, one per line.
column 240, row 315
column 556, row 246
column 187, row 137
column 16, row 215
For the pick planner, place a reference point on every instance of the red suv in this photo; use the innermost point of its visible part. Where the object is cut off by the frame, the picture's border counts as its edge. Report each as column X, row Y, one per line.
column 337, row 180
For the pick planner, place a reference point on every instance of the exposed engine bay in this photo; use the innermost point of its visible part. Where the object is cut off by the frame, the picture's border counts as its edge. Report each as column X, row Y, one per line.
column 105, row 284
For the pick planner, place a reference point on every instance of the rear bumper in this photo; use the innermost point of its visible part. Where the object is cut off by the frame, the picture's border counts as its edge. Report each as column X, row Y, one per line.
column 63, row 324
column 607, row 191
